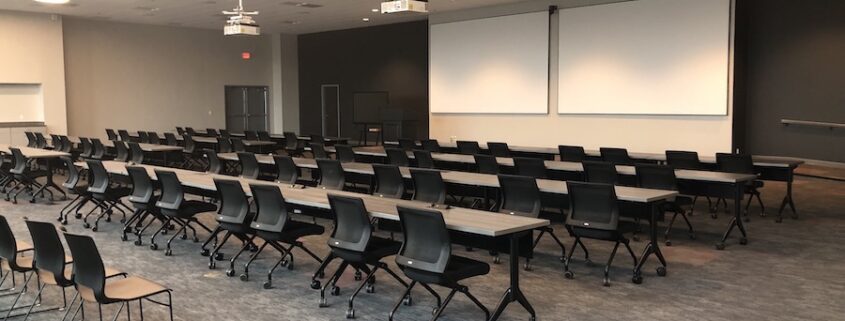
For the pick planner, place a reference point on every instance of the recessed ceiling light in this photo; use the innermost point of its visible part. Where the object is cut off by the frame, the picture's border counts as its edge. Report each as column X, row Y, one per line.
column 53, row 1
column 366, row 19
column 375, row 10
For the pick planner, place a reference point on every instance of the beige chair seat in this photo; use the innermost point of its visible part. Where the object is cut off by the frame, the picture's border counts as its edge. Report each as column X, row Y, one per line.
column 132, row 288
column 23, row 246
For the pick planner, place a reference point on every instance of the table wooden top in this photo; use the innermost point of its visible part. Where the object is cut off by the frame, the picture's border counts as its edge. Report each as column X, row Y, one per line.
column 145, row 147
column 458, row 219
column 30, row 152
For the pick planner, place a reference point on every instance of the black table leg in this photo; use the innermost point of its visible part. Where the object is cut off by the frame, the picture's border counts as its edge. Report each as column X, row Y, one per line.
column 514, row 293
column 653, row 246
column 736, row 221
column 787, row 200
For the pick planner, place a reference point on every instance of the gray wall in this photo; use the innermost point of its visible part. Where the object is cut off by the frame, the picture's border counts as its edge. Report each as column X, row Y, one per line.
column 133, row 76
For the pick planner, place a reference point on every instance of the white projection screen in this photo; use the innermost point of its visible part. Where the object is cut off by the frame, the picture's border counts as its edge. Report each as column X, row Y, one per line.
column 495, row 65
column 648, row 57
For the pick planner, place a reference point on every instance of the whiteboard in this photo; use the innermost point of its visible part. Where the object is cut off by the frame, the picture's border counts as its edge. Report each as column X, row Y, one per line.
column 21, row 103
column 495, row 65
column 657, row 57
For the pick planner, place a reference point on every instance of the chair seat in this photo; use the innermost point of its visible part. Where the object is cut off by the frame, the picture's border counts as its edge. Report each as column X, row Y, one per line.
column 79, row 189
column 293, row 230
column 756, row 183
column 459, row 268
column 605, row 235
column 23, row 246
column 238, row 227
column 132, row 288
column 377, row 249
column 24, row 264
column 191, row 208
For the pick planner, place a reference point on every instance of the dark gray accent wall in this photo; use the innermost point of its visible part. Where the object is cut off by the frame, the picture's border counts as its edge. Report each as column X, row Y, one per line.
column 790, row 63
column 391, row 58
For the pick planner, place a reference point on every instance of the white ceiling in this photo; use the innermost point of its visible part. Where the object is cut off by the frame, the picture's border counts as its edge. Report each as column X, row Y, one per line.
column 285, row 16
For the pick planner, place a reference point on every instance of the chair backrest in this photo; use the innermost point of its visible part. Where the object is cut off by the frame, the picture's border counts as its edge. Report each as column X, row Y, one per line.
column 224, row 145
column 352, row 228
column 249, row 165
column 388, row 181
column 287, row 171
column 121, row 151
column 271, row 213
column 89, row 273
column 87, row 148
column 426, row 246
column 431, row 145
column 615, row 155
column 407, row 144
column 143, row 137
column 67, row 146
column 56, row 141
column 49, row 253
column 8, row 244
column 172, row 194
column 735, row 163
column 238, row 145
column 520, row 195
column 136, row 153
column 397, row 156
column 214, row 164
column 72, row 173
column 428, row 186
column 600, row 172
column 100, row 179
column 291, row 140
column 190, row 131
column 592, row 205
column 40, row 140
column 99, row 151
column 21, row 162
column 225, row 133
column 142, row 185
column 571, row 153
column 180, row 130
column 152, row 138
column 468, row 147
column 499, row 149
column 344, row 153
column 264, row 135
column 331, row 174
column 318, row 150
column 656, row 177
column 111, row 134
column 190, row 145
column 423, row 159
column 234, row 205
column 212, row 132
column 250, row 135
column 683, row 159
column 486, row 164
column 170, row 139
column 30, row 139
column 317, row 139
column 124, row 135
column 528, row 166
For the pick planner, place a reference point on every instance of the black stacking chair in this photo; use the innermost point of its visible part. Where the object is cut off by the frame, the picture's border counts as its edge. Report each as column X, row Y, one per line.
column 428, row 186
column 234, row 218
column 571, row 153
column 238, row 145
column 594, row 214
column 30, row 139
column 136, row 153
column 468, row 147
column 388, row 181
column 263, row 135
column 743, row 164
column 87, row 147
column 423, row 159
column 407, row 144
column 55, row 142
column 75, row 186
column 486, row 164
column 225, row 134
column 177, row 209
column 426, row 258
column 520, row 196
column 274, row 225
column 94, row 286
column 531, row 167
column 250, row 135
column 143, row 199
column 352, row 241
column 618, row 156
column 189, row 153
column 689, row 160
column 318, row 151
column 143, row 137
column 180, row 130
column 107, row 197
column 153, row 138
column 600, row 172
column 121, row 151
column 190, row 131
column 215, row 166
column 99, row 151
column 332, row 176
column 212, row 132
column 499, row 149
column 170, row 139
column 398, row 157
column 40, row 141
column 344, row 153
column 26, row 176
column 663, row 177
column 67, row 146
column 13, row 261
column 249, row 165
column 124, row 135
column 431, row 145
column 111, row 134
column 286, row 169
column 292, row 145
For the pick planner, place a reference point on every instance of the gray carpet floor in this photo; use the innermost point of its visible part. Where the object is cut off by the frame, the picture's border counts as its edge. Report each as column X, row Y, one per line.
column 788, row 271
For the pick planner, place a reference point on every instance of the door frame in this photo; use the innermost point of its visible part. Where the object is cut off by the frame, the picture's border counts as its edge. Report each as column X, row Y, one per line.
column 323, row 114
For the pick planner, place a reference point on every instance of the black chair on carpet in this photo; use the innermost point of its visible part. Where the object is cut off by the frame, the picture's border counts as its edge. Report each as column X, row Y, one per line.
column 170, row 139
column 388, row 181
column 407, row 144
column 13, row 261
column 124, row 135
column 286, row 170
column 600, row 172
column 143, row 137
column 431, row 145
column 499, row 149
column 293, row 147
column 618, row 156
column 176, row 209
column 233, row 217
column 663, row 177
column 143, row 199
column 423, row 159
column 250, row 135
column 153, row 138
column 111, row 134
column 571, row 153
column 263, row 135
column 27, row 177
column 238, row 145
column 136, row 153
column 468, row 147
column 344, row 153
column 224, row 145
column 107, row 196
column 215, row 165
column 318, row 151
column 225, row 133
column 744, row 164
column 99, row 150
column 121, row 151
column 531, row 167
column 398, row 157
column 74, row 185
column 332, row 176
column 486, row 164
column 249, row 165
column 428, row 186
column 87, row 148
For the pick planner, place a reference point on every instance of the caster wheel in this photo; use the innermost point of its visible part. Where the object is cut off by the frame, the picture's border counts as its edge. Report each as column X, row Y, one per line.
column 371, row 288
column 350, row 314
column 94, row 229
column 434, row 311
column 562, row 259
column 138, row 243
column 606, row 281
column 407, row 301
column 124, row 238
column 290, row 266
column 668, row 243
column 743, row 241
column 324, row 303
column 219, row 256
column 315, row 285
column 196, row 240
column 527, row 267
column 230, row 273
column 358, row 276
column 64, row 222
column 268, row 285
column 253, row 248
column 78, row 216
column 661, row 271
column 123, row 220
column 335, row 291
column 184, row 237
column 212, row 265
column 637, row 279
column 204, row 252
column 168, row 252
column 244, row 277
column 569, row 275
column 171, row 227
column 497, row 260
column 32, row 201
column 108, row 219
column 86, row 225
column 321, row 275
column 720, row 246
column 714, row 216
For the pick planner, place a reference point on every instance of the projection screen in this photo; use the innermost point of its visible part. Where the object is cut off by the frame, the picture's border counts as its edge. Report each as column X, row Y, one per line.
column 495, row 65
column 655, row 57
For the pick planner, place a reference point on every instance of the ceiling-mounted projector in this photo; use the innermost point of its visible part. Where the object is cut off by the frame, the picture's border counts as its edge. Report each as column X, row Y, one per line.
column 404, row 6
column 241, row 22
